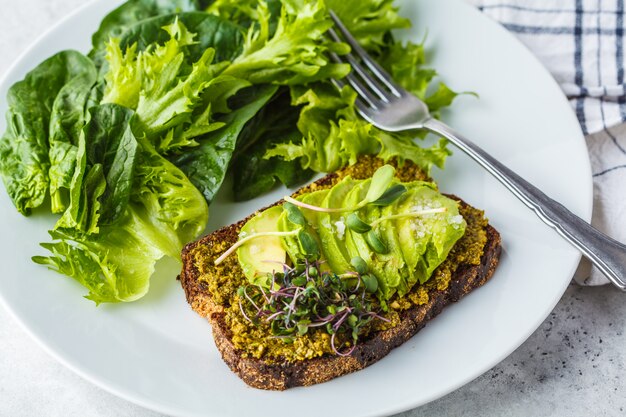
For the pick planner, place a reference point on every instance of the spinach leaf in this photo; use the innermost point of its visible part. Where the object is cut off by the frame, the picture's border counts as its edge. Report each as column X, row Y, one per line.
column 66, row 123
column 107, row 150
column 206, row 164
column 24, row 159
column 111, row 143
column 253, row 174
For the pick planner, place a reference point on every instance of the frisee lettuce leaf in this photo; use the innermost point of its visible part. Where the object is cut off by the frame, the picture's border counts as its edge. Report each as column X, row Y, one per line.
column 295, row 53
column 369, row 21
column 174, row 105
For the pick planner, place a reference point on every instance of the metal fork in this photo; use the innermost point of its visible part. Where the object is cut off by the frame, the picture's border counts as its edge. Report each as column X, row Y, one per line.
column 390, row 107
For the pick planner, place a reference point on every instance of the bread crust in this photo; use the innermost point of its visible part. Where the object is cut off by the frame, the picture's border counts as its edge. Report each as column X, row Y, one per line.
column 280, row 376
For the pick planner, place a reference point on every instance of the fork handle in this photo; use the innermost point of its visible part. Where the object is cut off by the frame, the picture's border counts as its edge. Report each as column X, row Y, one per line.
column 607, row 254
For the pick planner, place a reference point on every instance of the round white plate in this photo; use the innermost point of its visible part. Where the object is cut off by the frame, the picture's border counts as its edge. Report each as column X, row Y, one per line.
column 159, row 354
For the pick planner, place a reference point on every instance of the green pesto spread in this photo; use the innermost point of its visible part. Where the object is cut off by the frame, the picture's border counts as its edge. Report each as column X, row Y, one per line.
column 223, row 281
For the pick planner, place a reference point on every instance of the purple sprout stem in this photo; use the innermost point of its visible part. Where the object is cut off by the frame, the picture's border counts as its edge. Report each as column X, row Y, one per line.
column 273, row 316
column 342, row 319
column 332, row 344
column 245, row 293
column 292, row 305
column 267, row 300
column 378, row 316
column 243, row 312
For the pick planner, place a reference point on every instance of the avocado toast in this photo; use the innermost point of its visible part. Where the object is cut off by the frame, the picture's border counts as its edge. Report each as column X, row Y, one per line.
column 270, row 357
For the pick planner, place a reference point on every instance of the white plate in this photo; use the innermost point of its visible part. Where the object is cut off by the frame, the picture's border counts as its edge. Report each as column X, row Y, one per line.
column 159, row 354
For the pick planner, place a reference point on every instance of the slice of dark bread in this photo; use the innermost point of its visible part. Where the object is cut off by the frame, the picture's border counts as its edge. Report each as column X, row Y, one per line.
column 279, row 375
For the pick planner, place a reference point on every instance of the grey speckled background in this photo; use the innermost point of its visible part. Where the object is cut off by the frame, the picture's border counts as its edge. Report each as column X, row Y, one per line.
column 574, row 365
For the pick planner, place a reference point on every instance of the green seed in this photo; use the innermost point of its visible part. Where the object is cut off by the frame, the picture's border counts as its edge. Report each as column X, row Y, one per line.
column 392, row 194
column 356, row 224
column 360, row 266
column 375, row 242
column 294, row 215
column 371, row 283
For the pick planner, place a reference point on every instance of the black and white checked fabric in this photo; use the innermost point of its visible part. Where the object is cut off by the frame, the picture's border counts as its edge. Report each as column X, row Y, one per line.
column 582, row 44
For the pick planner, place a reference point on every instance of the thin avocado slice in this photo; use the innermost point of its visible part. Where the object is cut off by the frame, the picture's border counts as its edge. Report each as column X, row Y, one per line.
column 331, row 227
column 357, row 245
column 412, row 247
column 261, row 256
column 394, row 261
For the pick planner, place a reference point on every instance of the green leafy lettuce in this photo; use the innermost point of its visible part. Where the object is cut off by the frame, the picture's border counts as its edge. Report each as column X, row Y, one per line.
column 132, row 141
column 113, row 242
column 334, row 136
column 253, row 174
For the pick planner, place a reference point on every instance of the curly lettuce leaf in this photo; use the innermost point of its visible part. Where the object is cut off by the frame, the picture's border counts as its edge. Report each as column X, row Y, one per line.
column 174, row 105
column 295, row 53
column 334, row 136
column 369, row 21
column 24, row 151
column 244, row 12
column 407, row 65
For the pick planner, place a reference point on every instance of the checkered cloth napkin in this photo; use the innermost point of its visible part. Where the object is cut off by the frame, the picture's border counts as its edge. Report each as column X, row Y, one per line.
column 582, row 43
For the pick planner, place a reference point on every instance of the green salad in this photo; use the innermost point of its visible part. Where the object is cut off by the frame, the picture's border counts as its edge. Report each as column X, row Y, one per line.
column 130, row 143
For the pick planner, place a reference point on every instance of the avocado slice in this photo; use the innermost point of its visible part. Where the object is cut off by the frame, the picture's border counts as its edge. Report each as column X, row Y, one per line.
column 425, row 241
column 261, row 256
column 332, row 229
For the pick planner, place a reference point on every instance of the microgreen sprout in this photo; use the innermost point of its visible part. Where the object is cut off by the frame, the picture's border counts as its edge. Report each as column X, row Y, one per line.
column 304, row 297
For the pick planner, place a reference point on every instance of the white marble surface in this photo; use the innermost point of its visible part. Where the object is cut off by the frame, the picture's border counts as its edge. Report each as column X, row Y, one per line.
column 574, row 365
